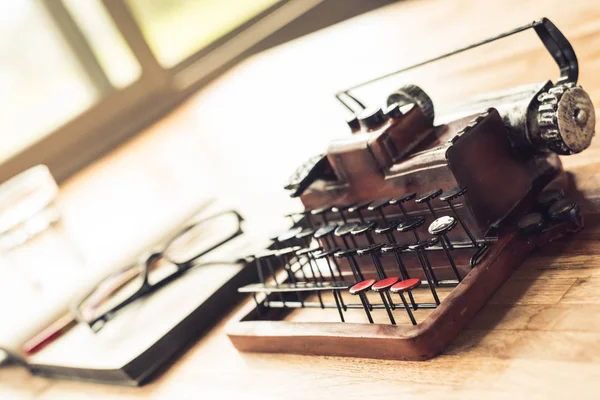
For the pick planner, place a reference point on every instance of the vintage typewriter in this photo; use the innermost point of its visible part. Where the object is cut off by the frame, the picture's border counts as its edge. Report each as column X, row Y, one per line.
column 410, row 226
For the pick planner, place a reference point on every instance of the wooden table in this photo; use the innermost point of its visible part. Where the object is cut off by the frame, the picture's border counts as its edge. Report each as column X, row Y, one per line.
column 242, row 136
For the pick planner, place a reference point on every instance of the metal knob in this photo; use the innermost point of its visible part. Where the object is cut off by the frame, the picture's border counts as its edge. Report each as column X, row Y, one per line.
column 371, row 118
column 531, row 224
column 565, row 210
column 566, row 119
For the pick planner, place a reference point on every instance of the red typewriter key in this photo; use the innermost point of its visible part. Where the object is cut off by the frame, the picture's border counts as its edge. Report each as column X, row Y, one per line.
column 383, row 286
column 406, row 286
column 359, row 289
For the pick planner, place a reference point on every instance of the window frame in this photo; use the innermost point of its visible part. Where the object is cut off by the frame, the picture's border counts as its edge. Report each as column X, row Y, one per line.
column 122, row 113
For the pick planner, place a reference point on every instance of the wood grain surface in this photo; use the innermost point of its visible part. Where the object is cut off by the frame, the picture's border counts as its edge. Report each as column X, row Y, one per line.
column 539, row 337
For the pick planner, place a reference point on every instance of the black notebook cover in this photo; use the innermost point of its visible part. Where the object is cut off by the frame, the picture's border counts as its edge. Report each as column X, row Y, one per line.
column 151, row 332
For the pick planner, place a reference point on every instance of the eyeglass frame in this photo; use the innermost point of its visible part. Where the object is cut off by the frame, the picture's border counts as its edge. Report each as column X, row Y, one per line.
column 146, row 287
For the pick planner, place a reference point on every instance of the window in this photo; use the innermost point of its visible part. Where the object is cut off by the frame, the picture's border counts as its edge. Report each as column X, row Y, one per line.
column 107, row 44
column 42, row 83
column 176, row 29
column 79, row 77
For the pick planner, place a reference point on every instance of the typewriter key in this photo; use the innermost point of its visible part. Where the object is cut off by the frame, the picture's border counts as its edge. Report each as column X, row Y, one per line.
column 403, row 199
column 306, row 235
column 322, row 212
column 410, row 225
column 337, row 295
column 346, row 230
column 326, row 255
column 295, row 217
column 310, row 255
column 388, row 229
column 531, row 224
column 383, row 286
column 365, row 229
column 419, row 248
column 360, row 289
column 325, row 232
column 379, row 205
column 340, row 210
column 374, row 251
column 357, row 208
column 439, row 228
column 448, row 197
column 407, row 286
column 305, row 214
column 394, row 248
column 427, row 197
column 318, row 255
column 565, row 210
column 349, row 255
column 286, row 258
column 397, row 249
column 283, row 240
column 442, row 225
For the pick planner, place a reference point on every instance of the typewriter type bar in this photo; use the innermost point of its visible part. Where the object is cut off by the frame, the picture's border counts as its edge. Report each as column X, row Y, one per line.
column 410, row 227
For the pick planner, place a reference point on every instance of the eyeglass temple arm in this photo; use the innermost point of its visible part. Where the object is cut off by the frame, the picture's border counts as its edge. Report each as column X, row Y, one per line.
column 553, row 39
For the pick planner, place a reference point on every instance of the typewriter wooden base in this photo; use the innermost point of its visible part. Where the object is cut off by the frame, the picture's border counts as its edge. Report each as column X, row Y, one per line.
column 420, row 342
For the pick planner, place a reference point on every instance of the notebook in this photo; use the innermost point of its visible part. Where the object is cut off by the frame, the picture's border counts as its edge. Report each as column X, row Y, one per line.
column 146, row 335
column 151, row 332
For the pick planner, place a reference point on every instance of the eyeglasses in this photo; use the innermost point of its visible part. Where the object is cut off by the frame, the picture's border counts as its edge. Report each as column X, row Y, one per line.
column 176, row 257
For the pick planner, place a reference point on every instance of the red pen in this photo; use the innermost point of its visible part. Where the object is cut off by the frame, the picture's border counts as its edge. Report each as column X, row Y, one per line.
column 49, row 334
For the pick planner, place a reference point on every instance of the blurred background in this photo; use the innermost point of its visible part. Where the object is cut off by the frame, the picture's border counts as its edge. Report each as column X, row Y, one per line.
column 79, row 77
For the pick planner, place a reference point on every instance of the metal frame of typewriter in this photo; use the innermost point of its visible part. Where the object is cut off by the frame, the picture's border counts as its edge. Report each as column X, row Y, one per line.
column 497, row 206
